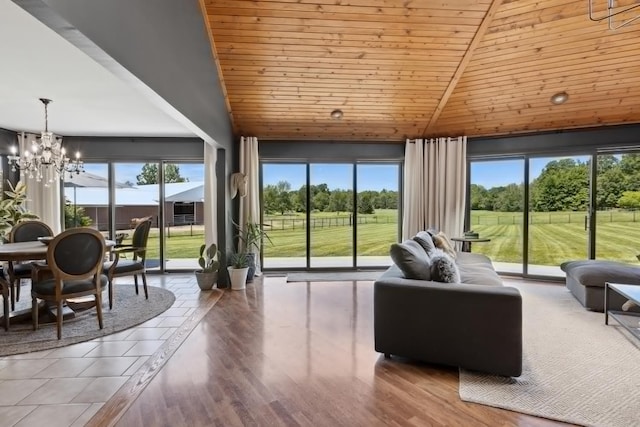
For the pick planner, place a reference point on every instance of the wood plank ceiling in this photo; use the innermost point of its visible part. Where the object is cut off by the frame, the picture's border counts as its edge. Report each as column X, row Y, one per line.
column 420, row 68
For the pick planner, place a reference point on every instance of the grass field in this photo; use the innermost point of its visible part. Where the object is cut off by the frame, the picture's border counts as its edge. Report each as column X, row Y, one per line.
column 554, row 236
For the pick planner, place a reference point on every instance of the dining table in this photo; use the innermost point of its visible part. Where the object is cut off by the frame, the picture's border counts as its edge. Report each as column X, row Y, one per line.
column 32, row 251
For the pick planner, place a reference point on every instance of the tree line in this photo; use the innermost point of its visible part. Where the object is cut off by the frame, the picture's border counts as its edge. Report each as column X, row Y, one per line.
column 563, row 185
column 280, row 198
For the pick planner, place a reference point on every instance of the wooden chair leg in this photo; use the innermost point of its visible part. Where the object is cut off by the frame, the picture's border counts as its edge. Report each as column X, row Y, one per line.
column 59, row 319
column 34, row 312
column 6, row 311
column 99, row 308
column 144, row 285
column 18, row 283
column 110, row 294
column 135, row 281
column 12, row 291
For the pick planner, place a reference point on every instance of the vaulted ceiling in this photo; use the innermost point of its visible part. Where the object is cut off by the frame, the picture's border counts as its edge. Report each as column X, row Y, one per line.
column 413, row 68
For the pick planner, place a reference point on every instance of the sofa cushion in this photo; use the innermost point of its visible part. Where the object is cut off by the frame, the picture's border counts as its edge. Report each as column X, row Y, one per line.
column 411, row 259
column 479, row 274
column 441, row 241
column 425, row 240
column 472, row 258
column 443, row 267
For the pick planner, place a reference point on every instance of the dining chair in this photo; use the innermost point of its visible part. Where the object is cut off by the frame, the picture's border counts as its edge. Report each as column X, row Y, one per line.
column 73, row 269
column 4, row 289
column 135, row 266
column 25, row 231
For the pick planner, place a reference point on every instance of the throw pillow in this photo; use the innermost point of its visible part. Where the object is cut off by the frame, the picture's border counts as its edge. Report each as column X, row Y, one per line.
column 411, row 259
column 444, row 268
column 442, row 242
column 425, row 240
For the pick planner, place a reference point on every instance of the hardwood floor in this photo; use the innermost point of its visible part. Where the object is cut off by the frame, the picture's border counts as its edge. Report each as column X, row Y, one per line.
column 300, row 354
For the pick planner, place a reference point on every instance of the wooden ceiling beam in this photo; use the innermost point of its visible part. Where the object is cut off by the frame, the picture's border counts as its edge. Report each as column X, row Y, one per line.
column 477, row 38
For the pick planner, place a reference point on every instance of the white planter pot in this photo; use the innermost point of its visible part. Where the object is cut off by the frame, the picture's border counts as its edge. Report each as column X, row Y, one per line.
column 238, row 277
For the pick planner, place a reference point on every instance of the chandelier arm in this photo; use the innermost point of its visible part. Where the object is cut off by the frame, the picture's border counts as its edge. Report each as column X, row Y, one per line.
column 610, row 15
column 625, row 23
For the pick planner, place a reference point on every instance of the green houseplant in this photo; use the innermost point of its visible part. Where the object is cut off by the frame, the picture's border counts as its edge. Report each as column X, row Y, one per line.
column 207, row 276
column 12, row 209
column 238, row 269
column 252, row 235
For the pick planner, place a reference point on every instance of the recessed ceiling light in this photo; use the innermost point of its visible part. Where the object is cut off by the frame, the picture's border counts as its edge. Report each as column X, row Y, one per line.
column 559, row 98
column 337, row 114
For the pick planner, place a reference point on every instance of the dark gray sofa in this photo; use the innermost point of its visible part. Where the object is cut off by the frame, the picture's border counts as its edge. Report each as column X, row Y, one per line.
column 586, row 280
column 475, row 325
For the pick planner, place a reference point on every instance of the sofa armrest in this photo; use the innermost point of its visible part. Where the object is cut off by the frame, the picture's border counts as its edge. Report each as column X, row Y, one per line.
column 476, row 327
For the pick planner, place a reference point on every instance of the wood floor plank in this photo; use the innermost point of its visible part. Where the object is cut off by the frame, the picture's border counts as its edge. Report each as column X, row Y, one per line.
column 301, row 354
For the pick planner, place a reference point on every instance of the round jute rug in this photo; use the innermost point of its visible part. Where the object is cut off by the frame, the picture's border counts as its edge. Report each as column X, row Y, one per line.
column 128, row 310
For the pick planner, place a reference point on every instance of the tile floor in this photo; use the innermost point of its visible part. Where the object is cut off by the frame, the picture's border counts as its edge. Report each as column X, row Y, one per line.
column 66, row 386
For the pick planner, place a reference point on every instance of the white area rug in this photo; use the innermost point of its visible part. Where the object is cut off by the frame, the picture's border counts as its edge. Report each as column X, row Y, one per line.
column 576, row 369
column 335, row 276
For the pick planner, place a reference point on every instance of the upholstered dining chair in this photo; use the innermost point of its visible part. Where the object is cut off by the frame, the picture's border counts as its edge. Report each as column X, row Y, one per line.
column 73, row 269
column 25, row 231
column 134, row 266
column 4, row 289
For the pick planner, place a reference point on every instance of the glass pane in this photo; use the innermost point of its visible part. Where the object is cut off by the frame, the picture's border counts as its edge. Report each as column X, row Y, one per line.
column 184, row 214
column 284, row 196
column 618, row 207
column 331, row 215
column 86, row 198
column 497, row 199
column 137, row 197
column 558, row 206
column 377, row 223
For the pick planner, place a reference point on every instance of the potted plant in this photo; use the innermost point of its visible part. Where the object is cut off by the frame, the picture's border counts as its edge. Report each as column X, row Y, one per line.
column 238, row 269
column 209, row 266
column 12, row 209
column 252, row 236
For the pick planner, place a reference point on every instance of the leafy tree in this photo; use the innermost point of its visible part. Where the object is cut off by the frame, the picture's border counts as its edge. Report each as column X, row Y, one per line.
column 149, row 174
column 562, row 185
column 510, row 198
column 610, row 186
column 320, row 201
column 339, row 201
column 478, row 197
column 630, row 200
column 75, row 217
column 365, row 202
column 300, row 199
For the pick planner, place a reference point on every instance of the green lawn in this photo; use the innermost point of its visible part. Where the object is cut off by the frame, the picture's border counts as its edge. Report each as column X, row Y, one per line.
column 287, row 233
column 555, row 237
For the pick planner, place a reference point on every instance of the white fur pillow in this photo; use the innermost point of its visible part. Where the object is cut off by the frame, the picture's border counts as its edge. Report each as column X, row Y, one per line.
column 443, row 267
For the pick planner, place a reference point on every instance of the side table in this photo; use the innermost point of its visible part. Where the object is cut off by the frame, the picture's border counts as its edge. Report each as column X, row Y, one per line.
column 628, row 320
column 466, row 242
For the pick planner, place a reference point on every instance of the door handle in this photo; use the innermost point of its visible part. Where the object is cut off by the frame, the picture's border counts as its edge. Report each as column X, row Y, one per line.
column 586, row 222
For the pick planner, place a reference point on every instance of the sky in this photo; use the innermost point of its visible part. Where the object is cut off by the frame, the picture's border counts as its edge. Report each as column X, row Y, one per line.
column 373, row 177
column 128, row 171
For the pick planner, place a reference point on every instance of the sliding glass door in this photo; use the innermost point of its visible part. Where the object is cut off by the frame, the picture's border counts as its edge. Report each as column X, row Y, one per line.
column 332, row 219
column 329, row 215
column 136, row 197
column 536, row 227
column 497, row 211
column 284, row 202
column 618, row 207
column 558, row 212
column 377, row 212
column 183, row 214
